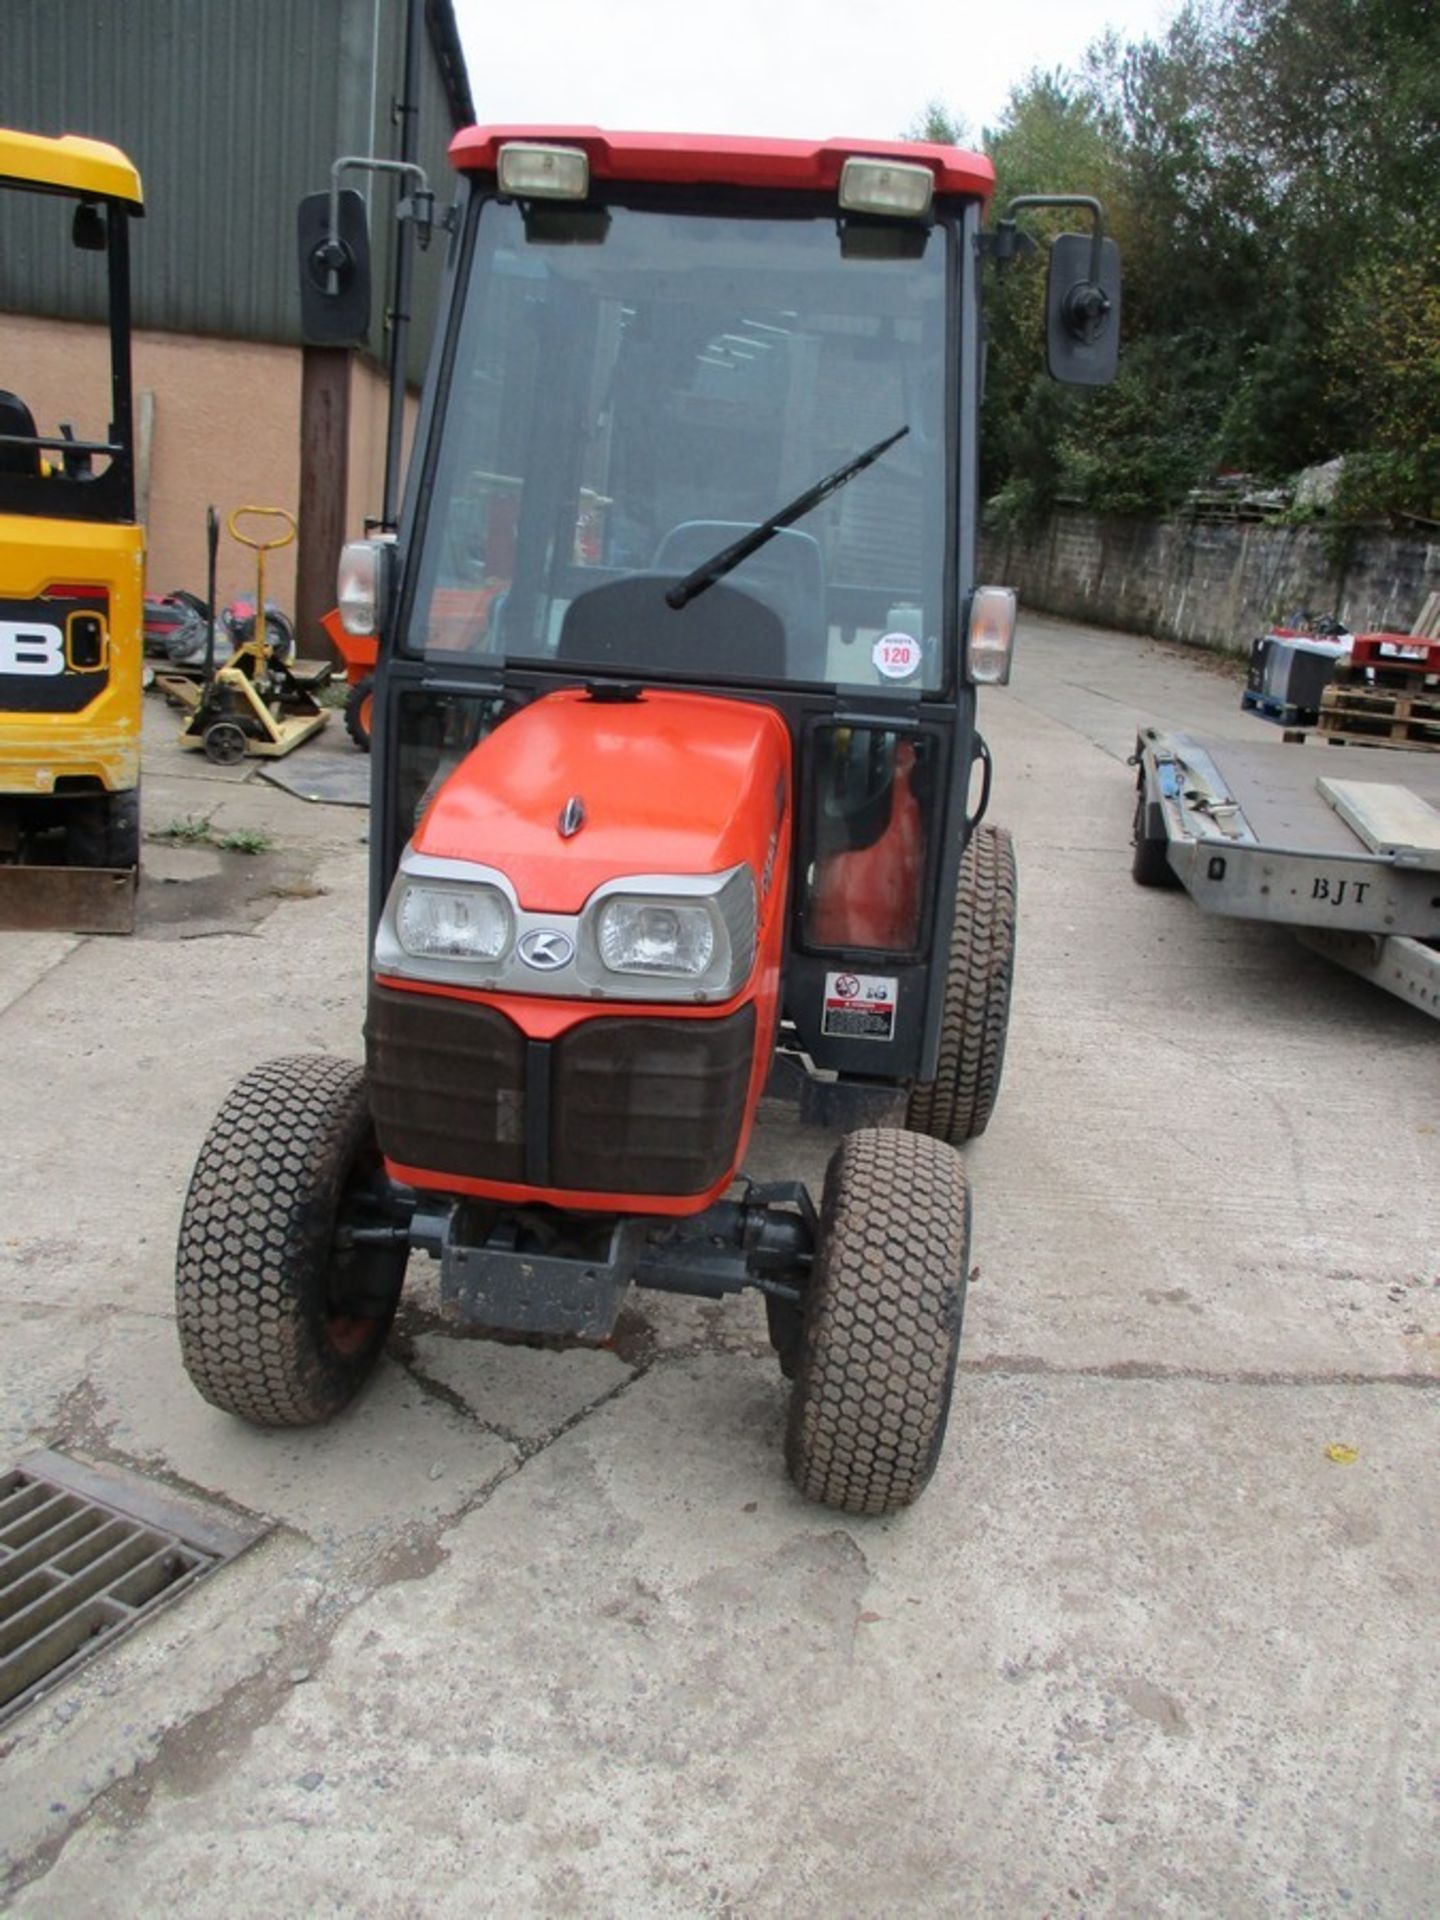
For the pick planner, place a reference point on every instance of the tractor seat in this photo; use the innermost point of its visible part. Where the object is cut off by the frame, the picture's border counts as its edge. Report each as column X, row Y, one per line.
column 16, row 418
column 787, row 573
column 625, row 626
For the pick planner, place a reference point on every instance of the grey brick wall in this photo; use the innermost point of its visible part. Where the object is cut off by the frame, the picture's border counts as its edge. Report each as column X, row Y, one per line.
column 1210, row 583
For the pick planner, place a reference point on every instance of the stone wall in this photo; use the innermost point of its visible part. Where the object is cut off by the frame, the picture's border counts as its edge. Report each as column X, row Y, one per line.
column 1209, row 583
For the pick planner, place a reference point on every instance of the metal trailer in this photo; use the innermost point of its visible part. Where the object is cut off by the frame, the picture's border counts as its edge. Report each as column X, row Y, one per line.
column 1342, row 846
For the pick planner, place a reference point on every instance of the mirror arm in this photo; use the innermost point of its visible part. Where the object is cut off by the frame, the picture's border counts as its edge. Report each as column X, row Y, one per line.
column 1086, row 200
column 419, row 207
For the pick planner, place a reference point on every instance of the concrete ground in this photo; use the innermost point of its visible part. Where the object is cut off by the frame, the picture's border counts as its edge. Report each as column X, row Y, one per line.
column 550, row 1633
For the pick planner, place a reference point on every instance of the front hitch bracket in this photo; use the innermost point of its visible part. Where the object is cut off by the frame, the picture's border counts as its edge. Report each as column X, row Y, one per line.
column 536, row 1272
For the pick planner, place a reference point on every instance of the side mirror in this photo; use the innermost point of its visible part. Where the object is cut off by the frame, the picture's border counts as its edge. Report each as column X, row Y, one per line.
column 1082, row 310
column 334, row 270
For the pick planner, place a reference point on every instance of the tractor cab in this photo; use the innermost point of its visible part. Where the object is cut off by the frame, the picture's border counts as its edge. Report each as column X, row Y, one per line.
column 706, row 433
column 677, row 783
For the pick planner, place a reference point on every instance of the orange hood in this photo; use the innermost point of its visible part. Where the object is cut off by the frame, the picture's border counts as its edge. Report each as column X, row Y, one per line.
column 671, row 783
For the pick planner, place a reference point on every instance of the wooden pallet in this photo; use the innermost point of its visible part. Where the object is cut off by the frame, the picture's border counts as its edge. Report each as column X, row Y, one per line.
column 1334, row 738
column 1381, row 715
column 1389, row 680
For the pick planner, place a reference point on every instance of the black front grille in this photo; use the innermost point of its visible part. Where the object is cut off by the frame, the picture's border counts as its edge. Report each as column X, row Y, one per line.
column 636, row 1106
column 649, row 1106
column 447, row 1084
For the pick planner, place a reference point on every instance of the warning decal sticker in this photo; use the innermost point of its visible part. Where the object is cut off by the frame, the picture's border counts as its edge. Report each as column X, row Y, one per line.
column 860, row 1006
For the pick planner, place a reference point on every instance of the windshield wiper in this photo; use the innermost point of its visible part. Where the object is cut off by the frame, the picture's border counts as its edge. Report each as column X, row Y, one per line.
column 728, row 558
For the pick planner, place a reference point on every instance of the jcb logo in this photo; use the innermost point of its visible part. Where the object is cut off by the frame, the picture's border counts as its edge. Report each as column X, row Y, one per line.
column 30, row 646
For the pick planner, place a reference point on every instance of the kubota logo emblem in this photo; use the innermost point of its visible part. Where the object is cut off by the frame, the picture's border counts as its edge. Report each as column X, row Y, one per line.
column 31, row 646
column 545, row 949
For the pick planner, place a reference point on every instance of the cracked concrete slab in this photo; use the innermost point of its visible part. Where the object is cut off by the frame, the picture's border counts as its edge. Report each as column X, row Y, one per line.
column 1242, row 1138
column 549, row 1632
column 526, row 1393
column 25, row 959
column 674, row 1699
column 398, row 1458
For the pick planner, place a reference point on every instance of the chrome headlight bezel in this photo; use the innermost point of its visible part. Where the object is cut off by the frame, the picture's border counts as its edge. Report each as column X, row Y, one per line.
column 559, row 955
column 729, row 900
column 419, row 873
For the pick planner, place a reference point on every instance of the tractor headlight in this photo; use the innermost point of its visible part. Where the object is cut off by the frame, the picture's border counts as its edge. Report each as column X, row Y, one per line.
column 687, row 937
column 453, row 923
column 697, row 931
column 656, row 936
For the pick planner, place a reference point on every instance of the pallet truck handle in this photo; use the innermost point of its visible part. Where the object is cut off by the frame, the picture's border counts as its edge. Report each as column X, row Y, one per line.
column 269, row 513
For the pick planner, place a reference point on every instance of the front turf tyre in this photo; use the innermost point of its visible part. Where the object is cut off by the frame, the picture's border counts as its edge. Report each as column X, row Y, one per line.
column 281, row 1317
column 956, row 1105
column 359, row 710
column 882, row 1322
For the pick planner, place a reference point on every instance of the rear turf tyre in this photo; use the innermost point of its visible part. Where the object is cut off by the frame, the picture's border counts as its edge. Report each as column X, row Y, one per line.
column 359, row 706
column 1149, row 866
column 956, row 1105
column 882, row 1322
column 279, row 1322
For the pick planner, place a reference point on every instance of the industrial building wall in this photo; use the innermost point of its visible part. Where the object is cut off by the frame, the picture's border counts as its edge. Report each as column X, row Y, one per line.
column 231, row 110
column 223, row 106
column 204, row 437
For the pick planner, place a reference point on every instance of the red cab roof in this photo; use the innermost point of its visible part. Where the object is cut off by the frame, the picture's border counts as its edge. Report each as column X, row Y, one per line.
column 693, row 159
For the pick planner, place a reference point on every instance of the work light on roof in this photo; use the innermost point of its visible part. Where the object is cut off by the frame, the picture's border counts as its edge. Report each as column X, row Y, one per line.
column 888, row 188
column 532, row 172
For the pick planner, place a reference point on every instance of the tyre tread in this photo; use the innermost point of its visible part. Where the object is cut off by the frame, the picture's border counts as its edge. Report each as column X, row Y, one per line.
column 355, row 700
column 882, row 1327
column 254, row 1244
column 1149, row 862
column 957, row 1104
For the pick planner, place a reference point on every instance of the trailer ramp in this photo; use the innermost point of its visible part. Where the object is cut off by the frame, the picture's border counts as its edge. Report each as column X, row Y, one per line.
column 1347, row 852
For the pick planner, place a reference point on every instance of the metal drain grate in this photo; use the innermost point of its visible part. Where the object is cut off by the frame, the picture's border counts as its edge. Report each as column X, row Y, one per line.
column 85, row 1555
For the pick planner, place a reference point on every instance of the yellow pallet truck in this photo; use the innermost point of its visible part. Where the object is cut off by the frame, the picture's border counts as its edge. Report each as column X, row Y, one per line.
column 258, row 702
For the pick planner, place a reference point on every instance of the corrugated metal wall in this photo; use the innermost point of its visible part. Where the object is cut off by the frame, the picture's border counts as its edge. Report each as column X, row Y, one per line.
column 231, row 109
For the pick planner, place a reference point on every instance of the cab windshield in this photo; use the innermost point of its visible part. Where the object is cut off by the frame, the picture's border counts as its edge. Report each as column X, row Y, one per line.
column 636, row 391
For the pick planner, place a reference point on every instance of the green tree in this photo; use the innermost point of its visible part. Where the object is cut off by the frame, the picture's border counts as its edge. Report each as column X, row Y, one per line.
column 1050, row 140
column 1337, row 102
column 1268, row 168
column 936, row 122
column 1387, row 318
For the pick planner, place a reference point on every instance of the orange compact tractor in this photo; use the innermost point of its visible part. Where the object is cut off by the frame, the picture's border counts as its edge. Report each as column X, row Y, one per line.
column 674, row 737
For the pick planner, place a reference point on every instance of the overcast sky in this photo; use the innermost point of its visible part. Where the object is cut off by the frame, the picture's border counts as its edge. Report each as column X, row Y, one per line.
column 798, row 68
